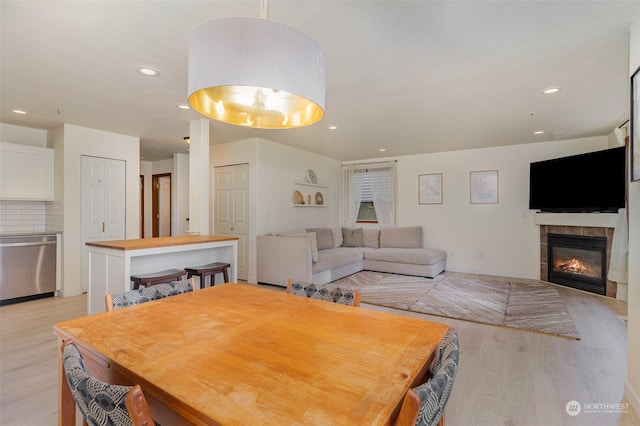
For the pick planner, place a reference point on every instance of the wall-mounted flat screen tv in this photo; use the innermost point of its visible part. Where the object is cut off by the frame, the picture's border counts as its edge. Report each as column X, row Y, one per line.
column 592, row 182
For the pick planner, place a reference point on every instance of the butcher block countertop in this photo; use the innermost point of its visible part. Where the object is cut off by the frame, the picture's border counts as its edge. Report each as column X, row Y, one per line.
column 146, row 243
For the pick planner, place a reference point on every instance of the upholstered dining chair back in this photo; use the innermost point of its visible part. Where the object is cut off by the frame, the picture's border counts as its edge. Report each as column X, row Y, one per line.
column 327, row 292
column 101, row 403
column 145, row 294
column 424, row 405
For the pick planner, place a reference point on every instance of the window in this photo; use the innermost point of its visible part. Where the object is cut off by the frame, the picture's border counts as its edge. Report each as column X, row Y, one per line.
column 370, row 191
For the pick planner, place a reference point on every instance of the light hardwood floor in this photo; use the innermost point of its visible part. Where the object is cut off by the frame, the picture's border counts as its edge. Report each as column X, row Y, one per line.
column 506, row 377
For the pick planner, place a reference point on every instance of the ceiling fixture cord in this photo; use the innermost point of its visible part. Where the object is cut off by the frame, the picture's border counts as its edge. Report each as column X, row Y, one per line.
column 257, row 73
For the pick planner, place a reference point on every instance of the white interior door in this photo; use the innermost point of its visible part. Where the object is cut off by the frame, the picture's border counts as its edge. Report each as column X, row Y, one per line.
column 164, row 206
column 114, row 193
column 93, row 189
column 231, row 185
column 103, row 204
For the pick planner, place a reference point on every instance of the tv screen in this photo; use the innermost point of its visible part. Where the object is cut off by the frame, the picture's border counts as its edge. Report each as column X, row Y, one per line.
column 592, row 182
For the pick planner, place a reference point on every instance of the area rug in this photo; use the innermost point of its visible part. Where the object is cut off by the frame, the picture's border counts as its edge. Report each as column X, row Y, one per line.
column 527, row 304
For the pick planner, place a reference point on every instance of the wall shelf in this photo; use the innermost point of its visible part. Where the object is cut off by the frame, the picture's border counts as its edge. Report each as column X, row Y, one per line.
column 604, row 220
column 315, row 185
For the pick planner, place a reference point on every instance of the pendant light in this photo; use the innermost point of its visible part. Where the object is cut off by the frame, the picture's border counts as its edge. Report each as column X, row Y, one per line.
column 255, row 72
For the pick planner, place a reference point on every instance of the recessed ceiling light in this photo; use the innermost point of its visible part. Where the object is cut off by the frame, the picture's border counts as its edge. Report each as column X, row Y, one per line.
column 551, row 90
column 182, row 106
column 19, row 111
column 383, row 150
column 149, row 72
column 333, row 127
column 538, row 132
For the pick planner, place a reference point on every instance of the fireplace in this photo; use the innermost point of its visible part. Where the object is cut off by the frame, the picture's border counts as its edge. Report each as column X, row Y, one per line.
column 578, row 261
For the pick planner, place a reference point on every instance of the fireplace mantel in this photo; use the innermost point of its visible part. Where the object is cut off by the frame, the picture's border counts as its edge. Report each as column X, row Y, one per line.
column 597, row 220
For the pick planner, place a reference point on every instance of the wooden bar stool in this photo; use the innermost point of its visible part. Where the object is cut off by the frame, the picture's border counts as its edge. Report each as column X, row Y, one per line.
column 160, row 277
column 208, row 270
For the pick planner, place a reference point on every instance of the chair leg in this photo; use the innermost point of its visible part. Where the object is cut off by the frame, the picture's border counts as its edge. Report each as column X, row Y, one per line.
column 226, row 276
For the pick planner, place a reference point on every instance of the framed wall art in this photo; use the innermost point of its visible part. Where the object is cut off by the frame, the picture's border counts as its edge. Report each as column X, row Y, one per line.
column 484, row 187
column 430, row 189
column 635, row 126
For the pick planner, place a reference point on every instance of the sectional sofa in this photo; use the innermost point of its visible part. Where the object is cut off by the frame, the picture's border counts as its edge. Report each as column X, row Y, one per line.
column 322, row 255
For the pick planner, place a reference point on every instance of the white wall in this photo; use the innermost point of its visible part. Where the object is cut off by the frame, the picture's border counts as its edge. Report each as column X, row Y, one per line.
column 498, row 239
column 632, row 385
column 70, row 144
column 279, row 166
column 23, row 135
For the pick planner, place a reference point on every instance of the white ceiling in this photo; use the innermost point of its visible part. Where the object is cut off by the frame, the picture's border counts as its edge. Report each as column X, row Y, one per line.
column 408, row 76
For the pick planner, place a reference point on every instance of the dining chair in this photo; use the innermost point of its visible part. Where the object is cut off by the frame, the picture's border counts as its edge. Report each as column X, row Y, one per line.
column 327, row 292
column 424, row 405
column 101, row 403
column 117, row 301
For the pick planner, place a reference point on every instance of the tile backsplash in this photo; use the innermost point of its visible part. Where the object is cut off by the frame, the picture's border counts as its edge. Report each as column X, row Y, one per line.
column 30, row 216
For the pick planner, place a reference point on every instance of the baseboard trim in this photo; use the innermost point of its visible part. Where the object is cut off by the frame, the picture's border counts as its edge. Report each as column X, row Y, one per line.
column 633, row 398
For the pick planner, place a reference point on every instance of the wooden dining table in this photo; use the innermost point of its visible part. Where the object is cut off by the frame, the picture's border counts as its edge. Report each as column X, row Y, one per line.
column 240, row 354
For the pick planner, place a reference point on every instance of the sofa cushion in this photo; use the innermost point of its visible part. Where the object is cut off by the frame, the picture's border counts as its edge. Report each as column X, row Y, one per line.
column 352, row 237
column 413, row 256
column 336, row 257
column 312, row 239
column 371, row 237
column 401, row 237
column 324, row 237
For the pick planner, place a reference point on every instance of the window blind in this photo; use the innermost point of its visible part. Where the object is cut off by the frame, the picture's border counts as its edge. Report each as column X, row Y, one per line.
column 369, row 178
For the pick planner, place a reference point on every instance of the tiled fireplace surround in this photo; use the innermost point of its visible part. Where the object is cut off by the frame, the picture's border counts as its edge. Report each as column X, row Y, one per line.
column 571, row 224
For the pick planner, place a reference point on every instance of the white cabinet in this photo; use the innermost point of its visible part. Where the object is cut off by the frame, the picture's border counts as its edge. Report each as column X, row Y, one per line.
column 26, row 172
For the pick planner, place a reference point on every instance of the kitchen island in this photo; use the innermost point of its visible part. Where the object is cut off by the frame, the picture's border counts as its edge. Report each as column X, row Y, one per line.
column 111, row 263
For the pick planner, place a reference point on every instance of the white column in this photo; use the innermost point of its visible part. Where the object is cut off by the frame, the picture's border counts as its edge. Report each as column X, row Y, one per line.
column 199, row 177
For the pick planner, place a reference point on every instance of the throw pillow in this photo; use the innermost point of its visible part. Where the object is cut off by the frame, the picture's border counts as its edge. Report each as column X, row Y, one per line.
column 323, row 236
column 312, row 239
column 371, row 237
column 336, row 232
column 352, row 237
column 401, row 237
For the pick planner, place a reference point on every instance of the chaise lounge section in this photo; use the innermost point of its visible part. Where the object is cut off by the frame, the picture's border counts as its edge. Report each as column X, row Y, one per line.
column 323, row 255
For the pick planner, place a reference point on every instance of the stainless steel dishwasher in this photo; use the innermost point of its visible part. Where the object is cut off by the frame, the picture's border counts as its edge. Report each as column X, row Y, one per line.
column 27, row 267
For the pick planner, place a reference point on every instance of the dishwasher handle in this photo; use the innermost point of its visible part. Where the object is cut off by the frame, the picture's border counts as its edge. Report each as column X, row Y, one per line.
column 34, row 243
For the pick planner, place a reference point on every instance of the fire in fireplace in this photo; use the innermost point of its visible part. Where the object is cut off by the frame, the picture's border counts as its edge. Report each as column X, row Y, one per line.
column 578, row 261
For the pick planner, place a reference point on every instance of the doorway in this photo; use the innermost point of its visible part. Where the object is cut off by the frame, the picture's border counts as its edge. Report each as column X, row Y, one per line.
column 103, row 204
column 231, row 188
column 161, row 205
